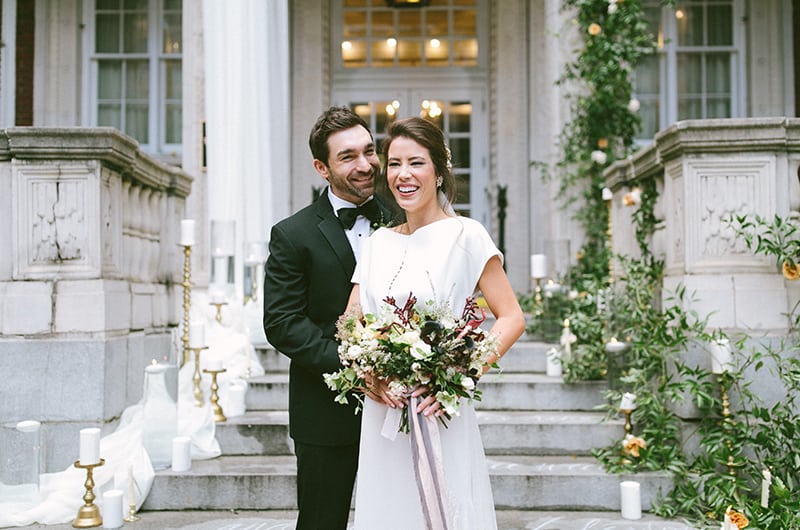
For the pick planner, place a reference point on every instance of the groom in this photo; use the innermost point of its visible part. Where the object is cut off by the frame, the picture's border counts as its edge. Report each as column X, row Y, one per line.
column 312, row 255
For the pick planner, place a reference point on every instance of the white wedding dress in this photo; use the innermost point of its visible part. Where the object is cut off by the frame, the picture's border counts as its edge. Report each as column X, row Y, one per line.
column 441, row 261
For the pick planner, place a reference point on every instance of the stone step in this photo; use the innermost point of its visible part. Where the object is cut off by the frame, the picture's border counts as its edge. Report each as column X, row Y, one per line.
column 524, row 356
column 503, row 432
column 501, row 391
column 518, row 483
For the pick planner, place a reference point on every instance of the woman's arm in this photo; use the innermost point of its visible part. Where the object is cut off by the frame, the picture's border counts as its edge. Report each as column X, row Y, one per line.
column 502, row 301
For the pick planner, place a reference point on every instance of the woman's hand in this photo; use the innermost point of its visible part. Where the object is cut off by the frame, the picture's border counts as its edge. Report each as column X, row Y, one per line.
column 428, row 404
column 377, row 389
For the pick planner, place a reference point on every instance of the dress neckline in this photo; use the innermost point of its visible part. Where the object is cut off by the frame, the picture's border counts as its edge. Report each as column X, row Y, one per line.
column 424, row 227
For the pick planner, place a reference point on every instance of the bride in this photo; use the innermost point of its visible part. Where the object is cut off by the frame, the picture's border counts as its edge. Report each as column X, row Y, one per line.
column 439, row 256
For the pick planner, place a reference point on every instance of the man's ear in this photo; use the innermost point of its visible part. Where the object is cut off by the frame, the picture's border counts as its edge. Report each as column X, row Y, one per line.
column 321, row 168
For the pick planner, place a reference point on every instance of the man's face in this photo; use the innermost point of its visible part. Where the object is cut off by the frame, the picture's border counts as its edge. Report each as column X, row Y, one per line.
column 352, row 164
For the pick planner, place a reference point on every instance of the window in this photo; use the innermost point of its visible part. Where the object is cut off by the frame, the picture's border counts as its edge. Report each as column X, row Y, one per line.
column 136, row 67
column 440, row 33
column 696, row 70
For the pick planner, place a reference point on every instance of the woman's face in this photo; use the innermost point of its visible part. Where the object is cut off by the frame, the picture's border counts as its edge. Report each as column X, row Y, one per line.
column 411, row 175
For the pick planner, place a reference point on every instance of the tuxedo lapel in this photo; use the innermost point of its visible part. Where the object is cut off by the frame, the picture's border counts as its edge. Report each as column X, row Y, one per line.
column 332, row 231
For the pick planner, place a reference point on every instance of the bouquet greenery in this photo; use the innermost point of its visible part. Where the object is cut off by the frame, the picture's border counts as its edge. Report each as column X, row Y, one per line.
column 411, row 346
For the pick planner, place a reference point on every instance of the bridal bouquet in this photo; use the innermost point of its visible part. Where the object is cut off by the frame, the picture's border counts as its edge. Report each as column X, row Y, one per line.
column 413, row 345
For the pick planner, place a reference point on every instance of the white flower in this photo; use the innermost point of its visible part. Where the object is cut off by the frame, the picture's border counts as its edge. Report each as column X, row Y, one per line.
column 634, row 105
column 612, row 8
column 448, row 402
column 607, row 194
column 573, row 294
column 467, row 383
column 599, row 157
column 420, row 350
column 633, row 197
column 409, row 337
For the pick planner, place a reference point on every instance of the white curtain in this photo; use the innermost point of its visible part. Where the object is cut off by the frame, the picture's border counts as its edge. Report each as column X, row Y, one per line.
column 246, row 100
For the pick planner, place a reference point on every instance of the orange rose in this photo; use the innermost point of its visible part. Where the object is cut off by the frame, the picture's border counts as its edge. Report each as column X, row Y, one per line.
column 738, row 519
column 602, row 143
column 631, row 445
column 595, row 29
column 791, row 272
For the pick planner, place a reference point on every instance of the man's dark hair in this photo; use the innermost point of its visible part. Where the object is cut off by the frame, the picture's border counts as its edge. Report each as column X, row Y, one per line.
column 333, row 120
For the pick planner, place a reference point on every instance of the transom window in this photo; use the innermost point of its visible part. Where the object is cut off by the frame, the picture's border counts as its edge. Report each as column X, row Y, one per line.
column 438, row 33
column 136, row 65
column 695, row 72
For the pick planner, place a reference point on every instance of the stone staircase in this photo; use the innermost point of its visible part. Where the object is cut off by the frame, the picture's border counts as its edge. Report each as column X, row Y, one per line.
column 537, row 433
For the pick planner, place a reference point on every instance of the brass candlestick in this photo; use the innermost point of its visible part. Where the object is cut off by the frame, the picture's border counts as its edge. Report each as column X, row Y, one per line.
column 537, row 291
column 131, row 517
column 187, row 292
column 219, row 416
column 88, row 514
column 628, row 424
column 727, row 424
column 218, row 305
column 197, row 378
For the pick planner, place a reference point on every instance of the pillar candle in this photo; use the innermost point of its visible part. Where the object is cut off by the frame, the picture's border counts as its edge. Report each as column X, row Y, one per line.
column 630, row 499
column 720, row 356
column 181, row 453
column 538, row 266
column 236, row 400
column 628, row 401
column 766, row 481
column 112, row 509
column 90, row 446
column 187, row 232
column 197, row 335
column 214, row 365
column 553, row 363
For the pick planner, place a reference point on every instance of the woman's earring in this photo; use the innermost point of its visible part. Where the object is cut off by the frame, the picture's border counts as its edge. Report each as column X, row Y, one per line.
column 439, row 181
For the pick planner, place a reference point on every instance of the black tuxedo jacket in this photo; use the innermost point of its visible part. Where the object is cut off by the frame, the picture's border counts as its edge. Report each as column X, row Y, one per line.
column 306, row 288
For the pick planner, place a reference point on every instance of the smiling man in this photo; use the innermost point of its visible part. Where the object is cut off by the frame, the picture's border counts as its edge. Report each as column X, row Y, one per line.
column 306, row 286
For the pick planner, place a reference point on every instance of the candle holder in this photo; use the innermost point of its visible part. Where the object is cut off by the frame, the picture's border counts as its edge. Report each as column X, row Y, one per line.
column 219, row 416
column 610, row 243
column 628, row 424
column 727, row 425
column 537, row 291
column 88, row 514
column 197, row 378
column 187, row 292
column 131, row 517
column 218, row 305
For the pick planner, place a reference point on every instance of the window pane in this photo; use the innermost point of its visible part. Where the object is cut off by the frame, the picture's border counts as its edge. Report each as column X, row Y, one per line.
column 355, row 24
column 138, row 5
column 354, row 53
column 382, row 53
column 465, row 52
column 437, row 52
column 689, row 73
column 647, row 75
column 137, row 79
column 135, row 33
column 720, row 25
column 465, row 22
column 382, row 24
column 409, row 53
column 108, row 115
column 174, row 81
column 172, row 33
column 718, row 77
column 689, row 108
column 648, row 112
column 173, row 5
column 460, row 114
column 109, row 80
column 690, row 26
column 436, row 24
column 107, row 4
column 173, row 133
column 463, row 195
column 136, row 122
column 409, row 23
column 719, row 108
column 106, row 33
column 459, row 147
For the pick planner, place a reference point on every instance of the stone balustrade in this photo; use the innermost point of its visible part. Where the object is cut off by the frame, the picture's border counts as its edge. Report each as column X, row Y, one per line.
column 89, row 279
column 705, row 171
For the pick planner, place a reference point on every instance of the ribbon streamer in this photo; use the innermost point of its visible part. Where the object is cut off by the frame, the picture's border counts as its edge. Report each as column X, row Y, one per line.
column 426, row 449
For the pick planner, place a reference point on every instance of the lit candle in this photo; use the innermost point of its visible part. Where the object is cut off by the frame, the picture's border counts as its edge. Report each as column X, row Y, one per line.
column 187, row 232
column 131, row 486
column 112, row 509
column 727, row 524
column 607, row 194
column 90, row 446
column 217, row 297
column 614, row 346
column 766, row 481
column 197, row 335
column 181, row 453
column 538, row 266
column 553, row 363
column 721, row 358
column 628, row 401
column 214, row 365
column 630, row 499
column 236, row 400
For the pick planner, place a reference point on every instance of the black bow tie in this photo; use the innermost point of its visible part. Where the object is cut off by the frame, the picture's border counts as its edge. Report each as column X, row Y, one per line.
column 370, row 210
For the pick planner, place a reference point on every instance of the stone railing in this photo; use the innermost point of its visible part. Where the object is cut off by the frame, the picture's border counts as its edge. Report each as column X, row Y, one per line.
column 90, row 276
column 705, row 171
